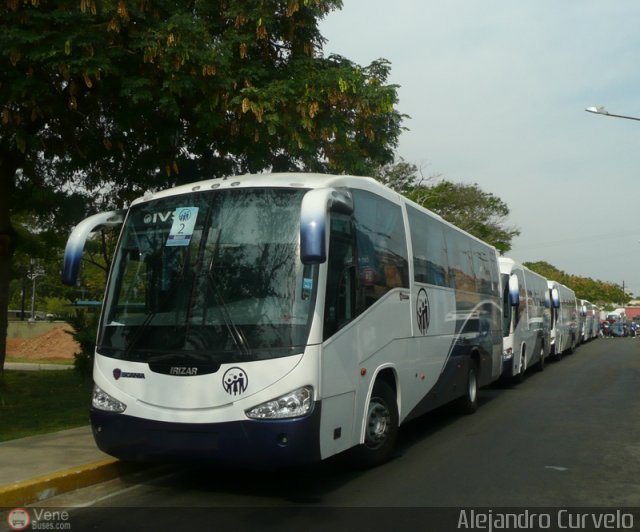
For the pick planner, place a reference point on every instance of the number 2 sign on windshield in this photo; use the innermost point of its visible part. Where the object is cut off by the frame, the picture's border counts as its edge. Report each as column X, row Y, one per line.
column 184, row 222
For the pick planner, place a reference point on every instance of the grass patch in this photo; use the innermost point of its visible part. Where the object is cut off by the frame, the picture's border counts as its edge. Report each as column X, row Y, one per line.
column 37, row 402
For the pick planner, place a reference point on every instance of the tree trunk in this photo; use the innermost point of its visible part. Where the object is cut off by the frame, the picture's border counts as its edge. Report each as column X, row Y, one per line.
column 8, row 237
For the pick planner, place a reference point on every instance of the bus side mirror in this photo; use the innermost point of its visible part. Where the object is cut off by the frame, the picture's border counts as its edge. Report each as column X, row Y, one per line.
column 314, row 211
column 514, row 291
column 78, row 238
column 555, row 298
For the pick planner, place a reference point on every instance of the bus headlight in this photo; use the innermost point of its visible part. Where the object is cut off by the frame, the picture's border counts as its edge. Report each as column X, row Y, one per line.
column 294, row 404
column 507, row 353
column 103, row 401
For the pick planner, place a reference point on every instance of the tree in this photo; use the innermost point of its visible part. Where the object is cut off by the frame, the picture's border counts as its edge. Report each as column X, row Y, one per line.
column 402, row 176
column 118, row 97
column 470, row 208
column 467, row 206
column 601, row 293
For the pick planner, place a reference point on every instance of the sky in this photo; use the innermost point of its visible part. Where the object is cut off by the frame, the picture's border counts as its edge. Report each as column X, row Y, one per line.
column 496, row 92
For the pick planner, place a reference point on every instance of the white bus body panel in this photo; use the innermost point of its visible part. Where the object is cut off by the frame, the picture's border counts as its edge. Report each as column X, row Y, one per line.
column 364, row 346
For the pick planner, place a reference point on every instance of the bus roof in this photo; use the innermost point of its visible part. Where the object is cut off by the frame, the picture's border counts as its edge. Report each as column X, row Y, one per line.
column 297, row 180
column 285, row 180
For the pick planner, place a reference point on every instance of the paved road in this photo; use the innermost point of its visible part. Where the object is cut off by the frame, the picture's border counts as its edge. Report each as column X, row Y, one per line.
column 566, row 437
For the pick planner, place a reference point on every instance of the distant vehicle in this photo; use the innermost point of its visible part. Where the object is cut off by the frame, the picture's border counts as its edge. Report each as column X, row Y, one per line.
column 618, row 329
column 526, row 319
column 564, row 318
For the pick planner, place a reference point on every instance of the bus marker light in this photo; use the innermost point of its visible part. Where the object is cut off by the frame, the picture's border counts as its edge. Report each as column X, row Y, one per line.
column 363, row 372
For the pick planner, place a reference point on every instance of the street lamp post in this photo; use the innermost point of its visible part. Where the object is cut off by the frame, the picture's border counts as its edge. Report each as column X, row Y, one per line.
column 600, row 110
column 35, row 271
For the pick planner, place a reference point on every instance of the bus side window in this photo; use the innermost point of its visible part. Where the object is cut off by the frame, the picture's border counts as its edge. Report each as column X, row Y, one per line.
column 381, row 247
column 339, row 305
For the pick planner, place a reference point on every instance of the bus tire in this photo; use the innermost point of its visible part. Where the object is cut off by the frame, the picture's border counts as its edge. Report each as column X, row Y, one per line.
column 468, row 403
column 557, row 355
column 519, row 377
column 540, row 365
column 381, row 430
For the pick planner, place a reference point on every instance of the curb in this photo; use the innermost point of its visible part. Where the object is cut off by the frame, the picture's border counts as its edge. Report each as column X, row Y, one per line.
column 37, row 489
column 35, row 366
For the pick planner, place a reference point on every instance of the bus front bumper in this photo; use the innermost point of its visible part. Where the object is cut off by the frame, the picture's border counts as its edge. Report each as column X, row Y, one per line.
column 251, row 443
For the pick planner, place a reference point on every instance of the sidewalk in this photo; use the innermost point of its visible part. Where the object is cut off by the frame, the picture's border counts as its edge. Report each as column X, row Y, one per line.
column 39, row 467
column 34, row 366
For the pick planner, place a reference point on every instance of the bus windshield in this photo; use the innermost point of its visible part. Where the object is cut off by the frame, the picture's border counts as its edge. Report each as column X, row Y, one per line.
column 211, row 277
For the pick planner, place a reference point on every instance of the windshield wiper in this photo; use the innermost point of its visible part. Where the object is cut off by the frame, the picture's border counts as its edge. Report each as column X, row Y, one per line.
column 138, row 334
column 236, row 333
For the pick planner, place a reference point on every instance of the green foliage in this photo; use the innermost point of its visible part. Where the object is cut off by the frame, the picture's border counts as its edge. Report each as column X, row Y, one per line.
column 470, row 208
column 58, row 306
column 101, row 101
column 85, row 328
column 467, row 206
column 150, row 94
column 598, row 292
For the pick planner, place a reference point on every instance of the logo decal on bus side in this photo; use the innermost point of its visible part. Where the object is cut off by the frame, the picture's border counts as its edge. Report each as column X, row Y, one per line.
column 422, row 311
column 235, row 381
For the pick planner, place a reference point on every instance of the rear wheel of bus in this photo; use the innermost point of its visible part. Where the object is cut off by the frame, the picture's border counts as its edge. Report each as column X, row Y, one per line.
column 468, row 403
column 540, row 365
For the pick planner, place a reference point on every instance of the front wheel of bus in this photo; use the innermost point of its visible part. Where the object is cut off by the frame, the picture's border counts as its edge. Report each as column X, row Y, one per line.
column 381, row 428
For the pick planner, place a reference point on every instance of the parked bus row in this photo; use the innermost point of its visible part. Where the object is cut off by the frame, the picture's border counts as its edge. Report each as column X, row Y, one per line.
column 541, row 318
column 268, row 320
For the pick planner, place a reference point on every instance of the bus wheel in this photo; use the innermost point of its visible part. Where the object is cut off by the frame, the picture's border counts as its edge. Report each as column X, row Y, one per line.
column 558, row 356
column 468, row 404
column 381, row 430
column 541, row 363
column 523, row 368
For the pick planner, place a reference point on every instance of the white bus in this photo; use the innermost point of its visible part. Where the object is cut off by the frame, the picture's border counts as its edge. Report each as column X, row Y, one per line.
column 526, row 319
column 587, row 313
column 564, row 319
column 597, row 320
column 266, row 320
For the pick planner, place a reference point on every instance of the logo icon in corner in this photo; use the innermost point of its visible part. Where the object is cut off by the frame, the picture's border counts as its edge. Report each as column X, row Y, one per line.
column 235, row 381
column 18, row 519
column 422, row 311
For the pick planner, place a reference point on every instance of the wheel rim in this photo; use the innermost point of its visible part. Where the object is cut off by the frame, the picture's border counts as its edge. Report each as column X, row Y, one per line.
column 378, row 423
column 473, row 386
